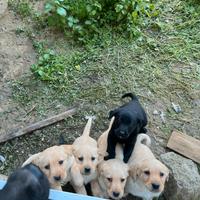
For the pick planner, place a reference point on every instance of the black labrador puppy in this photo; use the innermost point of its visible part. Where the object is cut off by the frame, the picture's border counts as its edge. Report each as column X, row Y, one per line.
column 27, row 183
column 130, row 120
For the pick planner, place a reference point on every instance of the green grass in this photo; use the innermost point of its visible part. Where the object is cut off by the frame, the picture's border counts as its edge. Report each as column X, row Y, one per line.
column 161, row 66
column 22, row 7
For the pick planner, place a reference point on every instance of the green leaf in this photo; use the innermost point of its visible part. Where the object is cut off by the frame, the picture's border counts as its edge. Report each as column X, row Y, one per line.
column 61, row 11
column 88, row 22
column 48, row 7
column 57, row 2
column 70, row 23
column 119, row 7
column 46, row 56
column 70, row 19
column 78, row 67
column 40, row 72
column 93, row 12
column 134, row 15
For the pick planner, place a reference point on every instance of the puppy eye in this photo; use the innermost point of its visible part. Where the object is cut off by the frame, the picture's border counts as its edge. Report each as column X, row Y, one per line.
column 147, row 172
column 162, row 174
column 47, row 166
column 80, row 158
column 122, row 180
column 93, row 158
column 109, row 179
column 60, row 162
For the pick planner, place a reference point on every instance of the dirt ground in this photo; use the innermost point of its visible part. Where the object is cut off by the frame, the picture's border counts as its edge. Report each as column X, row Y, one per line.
column 16, row 57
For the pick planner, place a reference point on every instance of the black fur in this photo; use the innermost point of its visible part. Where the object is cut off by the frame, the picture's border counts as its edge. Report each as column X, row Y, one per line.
column 130, row 120
column 27, row 183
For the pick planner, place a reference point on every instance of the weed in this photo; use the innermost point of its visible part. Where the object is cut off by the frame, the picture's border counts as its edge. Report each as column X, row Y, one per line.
column 22, row 7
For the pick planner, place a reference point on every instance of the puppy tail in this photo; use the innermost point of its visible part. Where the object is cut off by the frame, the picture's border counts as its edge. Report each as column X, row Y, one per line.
column 144, row 139
column 86, row 131
column 133, row 96
column 111, row 123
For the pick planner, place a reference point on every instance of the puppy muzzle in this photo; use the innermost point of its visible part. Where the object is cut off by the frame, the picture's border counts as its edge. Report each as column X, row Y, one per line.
column 87, row 170
column 155, row 187
column 116, row 195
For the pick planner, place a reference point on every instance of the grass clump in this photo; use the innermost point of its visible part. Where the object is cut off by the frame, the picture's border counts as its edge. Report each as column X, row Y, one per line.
column 22, row 7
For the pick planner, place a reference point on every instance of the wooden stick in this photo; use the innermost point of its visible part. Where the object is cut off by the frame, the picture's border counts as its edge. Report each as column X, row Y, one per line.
column 38, row 125
column 185, row 145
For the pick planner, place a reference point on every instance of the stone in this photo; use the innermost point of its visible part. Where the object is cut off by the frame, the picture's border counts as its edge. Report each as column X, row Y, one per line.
column 184, row 179
column 155, row 112
column 3, row 7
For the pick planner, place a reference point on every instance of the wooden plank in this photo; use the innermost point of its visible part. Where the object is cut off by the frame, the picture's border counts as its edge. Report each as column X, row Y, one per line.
column 185, row 145
column 60, row 195
column 38, row 125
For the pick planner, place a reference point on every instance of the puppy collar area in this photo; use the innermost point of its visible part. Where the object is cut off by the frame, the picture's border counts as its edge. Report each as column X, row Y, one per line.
column 60, row 195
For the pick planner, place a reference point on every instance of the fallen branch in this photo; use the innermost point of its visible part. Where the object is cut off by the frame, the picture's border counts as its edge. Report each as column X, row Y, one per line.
column 38, row 125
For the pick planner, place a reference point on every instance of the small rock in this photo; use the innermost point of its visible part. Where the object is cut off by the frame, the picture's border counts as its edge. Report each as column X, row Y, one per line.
column 176, row 107
column 196, row 102
column 184, row 180
column 155, row 112
column 162, row 116
column 3, row 7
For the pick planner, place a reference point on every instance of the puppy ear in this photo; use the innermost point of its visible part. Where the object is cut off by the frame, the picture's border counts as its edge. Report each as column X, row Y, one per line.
column 100, row 156
column 100, row 167
column 70, row 158
column 77, row 178
column 134, row 171
column 112, row 113
column 32, row 159
column 68, row 149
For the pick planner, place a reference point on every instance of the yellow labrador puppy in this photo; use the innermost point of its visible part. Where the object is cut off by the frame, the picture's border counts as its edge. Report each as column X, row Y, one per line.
column 147, row 174
column 86, row 156
column 112, row 174
column 56, row 163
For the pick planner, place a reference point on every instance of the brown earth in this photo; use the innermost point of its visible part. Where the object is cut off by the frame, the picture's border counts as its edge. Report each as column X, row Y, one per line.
column 16, row 57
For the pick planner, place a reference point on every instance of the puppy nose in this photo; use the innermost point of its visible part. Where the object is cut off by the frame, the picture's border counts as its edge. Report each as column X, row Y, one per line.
column 115, row 194
column 155, row 186
column 57, row 178
column 87, row 170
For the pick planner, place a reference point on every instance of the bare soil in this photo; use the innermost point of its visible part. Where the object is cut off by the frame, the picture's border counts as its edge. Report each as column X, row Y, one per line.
column 16, row 57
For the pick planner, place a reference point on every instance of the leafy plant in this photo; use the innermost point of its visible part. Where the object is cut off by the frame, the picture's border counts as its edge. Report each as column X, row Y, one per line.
column 85, row 18
column 57, row 67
